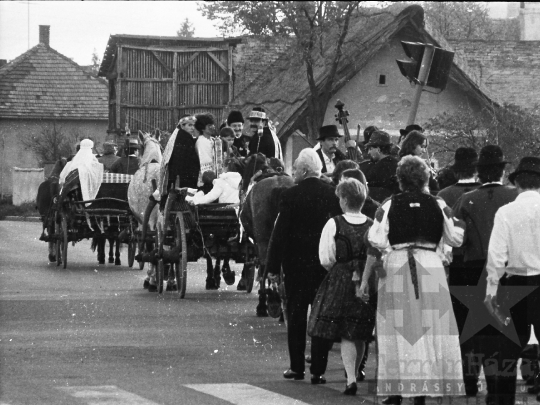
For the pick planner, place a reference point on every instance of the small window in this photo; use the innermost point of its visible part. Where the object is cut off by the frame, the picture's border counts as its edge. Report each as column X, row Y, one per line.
column 382, row 80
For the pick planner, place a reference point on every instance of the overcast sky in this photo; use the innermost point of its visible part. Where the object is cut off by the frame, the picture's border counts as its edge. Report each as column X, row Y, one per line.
column 78, row 27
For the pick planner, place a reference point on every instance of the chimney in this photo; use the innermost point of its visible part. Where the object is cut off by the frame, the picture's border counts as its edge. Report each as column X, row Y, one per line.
column 3, row 62
column 529, row 21
column 44, row 34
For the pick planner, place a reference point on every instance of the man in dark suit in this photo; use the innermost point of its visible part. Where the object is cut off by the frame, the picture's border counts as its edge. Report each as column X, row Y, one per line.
column 328, row 151
column 477, row 208
column 304, row 210
column 129, row 163
column 263, row 140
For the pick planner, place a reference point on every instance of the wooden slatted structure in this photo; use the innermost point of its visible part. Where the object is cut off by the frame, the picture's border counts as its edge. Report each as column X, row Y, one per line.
column 155, row 80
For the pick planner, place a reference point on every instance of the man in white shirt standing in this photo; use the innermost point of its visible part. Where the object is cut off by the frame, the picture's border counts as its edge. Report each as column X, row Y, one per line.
column 514, row 259
column 328, row 150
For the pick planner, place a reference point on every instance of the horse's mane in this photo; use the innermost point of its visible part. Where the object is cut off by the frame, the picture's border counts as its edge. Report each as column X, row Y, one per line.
column 57, row 169
column 253, row 164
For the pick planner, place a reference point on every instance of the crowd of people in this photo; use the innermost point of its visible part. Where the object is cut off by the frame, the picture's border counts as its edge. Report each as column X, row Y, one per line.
column 381, row 253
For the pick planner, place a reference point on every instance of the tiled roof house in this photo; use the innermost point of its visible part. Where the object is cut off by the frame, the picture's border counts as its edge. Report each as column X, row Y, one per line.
column 42, row 88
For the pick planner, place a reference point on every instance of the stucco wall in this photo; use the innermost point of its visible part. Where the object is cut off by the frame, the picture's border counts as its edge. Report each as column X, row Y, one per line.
column 388, row 106
column 14, row 154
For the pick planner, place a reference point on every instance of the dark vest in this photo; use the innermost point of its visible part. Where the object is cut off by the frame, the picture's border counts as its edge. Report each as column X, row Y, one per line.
column 338, row 157
column 350, row 240
column 415, row 217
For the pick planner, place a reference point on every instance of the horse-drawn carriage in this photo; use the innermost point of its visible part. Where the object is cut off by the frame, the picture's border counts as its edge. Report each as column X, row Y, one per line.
column 185, row 233
column 107, row 216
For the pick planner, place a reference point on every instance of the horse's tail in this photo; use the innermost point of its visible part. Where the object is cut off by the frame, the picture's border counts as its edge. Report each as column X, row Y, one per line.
column 94, row 244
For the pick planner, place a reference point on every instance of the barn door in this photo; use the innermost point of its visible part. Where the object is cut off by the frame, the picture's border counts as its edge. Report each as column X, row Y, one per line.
column 158, row 85
column 203, row 81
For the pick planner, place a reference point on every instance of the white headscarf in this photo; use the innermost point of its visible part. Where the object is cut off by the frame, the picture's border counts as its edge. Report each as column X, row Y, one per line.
column 90, row 170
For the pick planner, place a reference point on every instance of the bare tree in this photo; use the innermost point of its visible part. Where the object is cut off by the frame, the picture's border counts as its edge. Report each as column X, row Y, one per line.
column 50, row 144
column 96, row 62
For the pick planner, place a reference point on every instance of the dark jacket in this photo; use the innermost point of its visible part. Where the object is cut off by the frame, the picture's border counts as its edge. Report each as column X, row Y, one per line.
column 338, row 157
column 477, row 208
column 304, row 210
column 107, row 161
column 239, row 145
column 184, row 161
column 382, row 180
column 264, row 145
column 126, row 165
column 452, row 193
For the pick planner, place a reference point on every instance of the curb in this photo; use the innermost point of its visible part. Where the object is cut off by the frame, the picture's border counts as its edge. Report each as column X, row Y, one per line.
column 25, row 219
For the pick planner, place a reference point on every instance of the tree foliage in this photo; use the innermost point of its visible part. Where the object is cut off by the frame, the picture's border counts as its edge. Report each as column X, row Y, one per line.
column 515, row 129
column 50, row 144
column 313, row 24
column 186, row 29
column 469, row 20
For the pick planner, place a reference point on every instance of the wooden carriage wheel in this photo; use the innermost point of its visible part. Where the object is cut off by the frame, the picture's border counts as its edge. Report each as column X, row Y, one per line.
column 181, row 265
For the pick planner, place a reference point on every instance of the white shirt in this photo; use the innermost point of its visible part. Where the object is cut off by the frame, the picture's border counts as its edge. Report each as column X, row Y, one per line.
column 514, row 246
column 327, row 244
column 328, row 162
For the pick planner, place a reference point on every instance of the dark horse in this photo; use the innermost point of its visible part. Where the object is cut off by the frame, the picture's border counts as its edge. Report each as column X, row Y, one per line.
column 44, row 204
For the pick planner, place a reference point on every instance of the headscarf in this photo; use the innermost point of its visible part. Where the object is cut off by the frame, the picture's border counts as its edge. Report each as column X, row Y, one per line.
column 90, row 170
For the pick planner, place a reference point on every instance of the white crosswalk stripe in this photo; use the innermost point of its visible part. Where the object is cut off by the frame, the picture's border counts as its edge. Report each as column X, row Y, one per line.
column 106, row 394
column 244, row 394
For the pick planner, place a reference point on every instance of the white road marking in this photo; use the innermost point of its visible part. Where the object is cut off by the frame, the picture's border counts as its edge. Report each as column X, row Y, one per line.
column 106, row 394
column 244, row 394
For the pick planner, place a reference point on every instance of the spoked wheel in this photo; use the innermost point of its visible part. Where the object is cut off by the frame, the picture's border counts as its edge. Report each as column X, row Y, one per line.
column 181, row 265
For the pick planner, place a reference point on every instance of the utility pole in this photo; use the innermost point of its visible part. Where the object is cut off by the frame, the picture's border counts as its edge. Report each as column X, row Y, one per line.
column 427, row 58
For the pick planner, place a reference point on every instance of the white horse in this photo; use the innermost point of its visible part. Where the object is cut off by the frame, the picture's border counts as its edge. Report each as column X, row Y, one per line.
column 145, row 181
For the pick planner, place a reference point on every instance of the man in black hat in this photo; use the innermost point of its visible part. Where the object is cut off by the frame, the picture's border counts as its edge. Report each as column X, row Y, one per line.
column 409, row 128
column 328, row 151
column 514, row 259
column 263, row 140
column 235, row 121
column 129, row 163
column 381, row 177
column 109, row 155
column 366, row 163
column 477, row 208
column 464, row 169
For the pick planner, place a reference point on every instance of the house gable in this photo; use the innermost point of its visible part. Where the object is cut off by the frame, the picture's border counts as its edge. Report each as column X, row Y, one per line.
column 42, row 83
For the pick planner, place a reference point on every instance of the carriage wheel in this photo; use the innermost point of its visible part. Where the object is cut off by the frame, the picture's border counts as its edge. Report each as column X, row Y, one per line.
column 58, row 246
column 181, row 265
column 160, row 275
column 250, row 275
column 65, row 240
column 132, row 247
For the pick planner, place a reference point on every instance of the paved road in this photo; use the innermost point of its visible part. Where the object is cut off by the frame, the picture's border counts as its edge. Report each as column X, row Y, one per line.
column 91, row 335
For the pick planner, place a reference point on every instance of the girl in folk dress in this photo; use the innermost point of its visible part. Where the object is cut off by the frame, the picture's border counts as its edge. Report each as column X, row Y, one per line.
column 337, row 313
column 417, row 336
column 210, row 149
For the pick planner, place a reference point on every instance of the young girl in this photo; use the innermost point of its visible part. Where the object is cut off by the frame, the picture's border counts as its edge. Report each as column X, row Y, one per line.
column 337, row 313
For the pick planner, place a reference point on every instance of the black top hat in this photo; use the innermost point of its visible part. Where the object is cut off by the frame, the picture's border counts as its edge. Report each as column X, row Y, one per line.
column 491, row 155
column 379, row 138
column 465, row 158
column 235, row 116
column 528, row 164
column 409, row 128
column 328, row 131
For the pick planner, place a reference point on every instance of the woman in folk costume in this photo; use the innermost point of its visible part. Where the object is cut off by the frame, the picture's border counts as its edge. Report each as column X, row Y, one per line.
column 209, row 149
column 337, row 313
column 417, row 336
column 90, row 170
column 180, row 158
